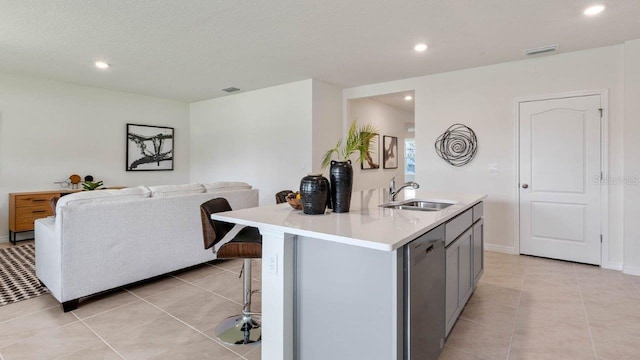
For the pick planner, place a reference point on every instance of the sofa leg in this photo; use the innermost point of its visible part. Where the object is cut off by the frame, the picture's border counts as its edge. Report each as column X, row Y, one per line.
column 70, row 305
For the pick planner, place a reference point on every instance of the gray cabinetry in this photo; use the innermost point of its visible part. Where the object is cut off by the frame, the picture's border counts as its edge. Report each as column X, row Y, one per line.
column 459, row 277
column 464, row 261
column 451, row 283
column 478, row 248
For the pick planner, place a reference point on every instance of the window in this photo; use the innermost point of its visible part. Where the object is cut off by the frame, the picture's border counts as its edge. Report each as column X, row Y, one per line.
column 410, row 156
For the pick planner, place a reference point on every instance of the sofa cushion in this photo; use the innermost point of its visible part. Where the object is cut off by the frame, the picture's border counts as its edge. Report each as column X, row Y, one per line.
column 226, row 186
column 88, row 197
column 175, row 190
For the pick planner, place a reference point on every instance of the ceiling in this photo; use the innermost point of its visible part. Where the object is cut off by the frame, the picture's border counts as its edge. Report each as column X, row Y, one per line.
column 397, row 100
column 190, row 49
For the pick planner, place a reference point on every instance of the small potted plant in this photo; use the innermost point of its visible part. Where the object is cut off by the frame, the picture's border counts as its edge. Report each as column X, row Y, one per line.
column 341, row 172
column 90, row 185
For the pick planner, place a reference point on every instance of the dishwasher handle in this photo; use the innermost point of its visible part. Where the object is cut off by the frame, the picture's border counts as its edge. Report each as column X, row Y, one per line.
column 429, row 249
column 419, row 252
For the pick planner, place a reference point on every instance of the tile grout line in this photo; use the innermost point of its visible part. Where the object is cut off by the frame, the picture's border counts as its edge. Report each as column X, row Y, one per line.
column 105, row 311
column 584, row 310
column 191, row 327
column 27, row 314
column 36, row 334
column 515, row 320
column 466, row 352
column 99, row 337
column 210, row 291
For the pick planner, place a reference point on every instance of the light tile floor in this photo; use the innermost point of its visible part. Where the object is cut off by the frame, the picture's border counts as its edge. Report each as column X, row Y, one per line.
column 523, row 308
column 532, row 308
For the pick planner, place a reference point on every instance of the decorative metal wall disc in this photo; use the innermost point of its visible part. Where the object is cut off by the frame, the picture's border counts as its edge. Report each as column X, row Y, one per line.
column 458, row 145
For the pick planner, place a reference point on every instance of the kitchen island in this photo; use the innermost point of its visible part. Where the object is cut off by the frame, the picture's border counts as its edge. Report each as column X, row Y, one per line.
column 333, row 285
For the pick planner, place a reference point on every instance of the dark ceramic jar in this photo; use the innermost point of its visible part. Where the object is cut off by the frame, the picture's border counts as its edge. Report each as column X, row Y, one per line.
column 341, row 185
column 314, row 194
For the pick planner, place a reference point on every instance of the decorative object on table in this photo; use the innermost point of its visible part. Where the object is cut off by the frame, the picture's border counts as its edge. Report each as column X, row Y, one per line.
column 90, row 185
column 18, row 279
column 64, row 184
column 294, row 199
column 315, row 194
column 458, row 145
column 390, row 152
column 341, row 172
column 149, row 147
column 281, row 196
column 372, row 157
column 88, row 178
column 75, row 180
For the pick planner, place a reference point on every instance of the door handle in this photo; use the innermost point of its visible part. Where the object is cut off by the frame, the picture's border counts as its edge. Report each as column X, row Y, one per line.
column 524, row 186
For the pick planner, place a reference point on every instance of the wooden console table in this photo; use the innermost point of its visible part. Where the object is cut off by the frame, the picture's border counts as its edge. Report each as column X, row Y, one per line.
column 26, row 207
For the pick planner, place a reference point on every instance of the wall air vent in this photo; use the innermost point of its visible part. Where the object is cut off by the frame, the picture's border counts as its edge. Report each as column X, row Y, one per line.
column 541, row 50
column 231, row 89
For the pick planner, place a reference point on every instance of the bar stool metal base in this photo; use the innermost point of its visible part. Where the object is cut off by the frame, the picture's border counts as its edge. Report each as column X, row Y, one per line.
column 239, row 330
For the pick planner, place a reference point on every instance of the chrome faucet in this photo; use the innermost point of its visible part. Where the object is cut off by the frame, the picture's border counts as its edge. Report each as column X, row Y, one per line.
column 393, row 192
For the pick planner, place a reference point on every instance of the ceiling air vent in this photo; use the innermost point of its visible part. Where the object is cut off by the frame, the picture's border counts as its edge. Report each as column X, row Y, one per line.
column 231, row 89
column 541, row 50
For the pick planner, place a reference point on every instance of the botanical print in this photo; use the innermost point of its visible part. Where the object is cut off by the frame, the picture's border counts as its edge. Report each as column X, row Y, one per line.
column 390, row 157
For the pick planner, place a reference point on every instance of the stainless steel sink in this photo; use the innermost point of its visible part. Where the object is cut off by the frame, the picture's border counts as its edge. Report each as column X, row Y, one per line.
column 418, row 205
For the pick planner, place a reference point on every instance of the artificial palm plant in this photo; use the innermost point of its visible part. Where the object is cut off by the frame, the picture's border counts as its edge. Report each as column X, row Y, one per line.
column 358, row 139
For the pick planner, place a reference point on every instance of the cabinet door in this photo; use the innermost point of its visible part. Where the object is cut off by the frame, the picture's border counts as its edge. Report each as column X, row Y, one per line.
column 465, row 267
column 451, row 300
column 478, row 250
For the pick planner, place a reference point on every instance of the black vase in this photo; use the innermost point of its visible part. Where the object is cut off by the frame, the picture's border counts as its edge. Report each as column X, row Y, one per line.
column 341, row 175
column 314, row 192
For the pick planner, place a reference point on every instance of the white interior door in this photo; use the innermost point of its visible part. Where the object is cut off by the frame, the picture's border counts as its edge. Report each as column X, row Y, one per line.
column 560, row 178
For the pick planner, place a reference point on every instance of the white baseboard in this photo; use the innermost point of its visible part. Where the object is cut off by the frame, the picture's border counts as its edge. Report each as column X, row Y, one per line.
column 612, row 266
column 500, row 248
column 631, row 270
column 25, row 235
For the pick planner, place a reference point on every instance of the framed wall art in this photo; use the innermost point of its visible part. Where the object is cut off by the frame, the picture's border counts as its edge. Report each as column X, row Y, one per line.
column 372, row 158
column 149, row 148
column 390, row 152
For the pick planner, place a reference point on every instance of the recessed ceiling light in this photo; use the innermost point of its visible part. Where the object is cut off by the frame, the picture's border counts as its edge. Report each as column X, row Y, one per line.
column 408, row 97
column 101, row 65
column 420, row 47
column 594, row 10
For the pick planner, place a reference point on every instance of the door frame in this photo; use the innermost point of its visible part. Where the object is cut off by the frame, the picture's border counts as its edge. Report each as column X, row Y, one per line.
column 604, row 165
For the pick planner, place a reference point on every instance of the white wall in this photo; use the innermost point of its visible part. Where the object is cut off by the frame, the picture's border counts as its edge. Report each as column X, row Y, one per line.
column 327, row 121
column 632, row 157
column 50, row 130
column 262, row 137
column 389, row 121
column 484, row 99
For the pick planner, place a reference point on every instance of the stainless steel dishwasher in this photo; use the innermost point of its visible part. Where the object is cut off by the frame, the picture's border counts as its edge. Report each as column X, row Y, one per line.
column 424, row 296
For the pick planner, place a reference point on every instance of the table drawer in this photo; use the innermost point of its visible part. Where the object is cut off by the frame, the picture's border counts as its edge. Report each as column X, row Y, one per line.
column 33, row 200
column 27, row 215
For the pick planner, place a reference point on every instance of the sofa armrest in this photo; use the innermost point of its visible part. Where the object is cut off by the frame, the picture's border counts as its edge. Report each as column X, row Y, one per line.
column 48, row 255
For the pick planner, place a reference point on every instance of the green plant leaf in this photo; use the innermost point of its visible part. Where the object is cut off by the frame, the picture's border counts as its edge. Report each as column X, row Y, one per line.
column 358, row 139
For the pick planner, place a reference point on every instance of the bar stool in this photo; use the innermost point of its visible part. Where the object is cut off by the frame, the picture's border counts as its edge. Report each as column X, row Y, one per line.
column 230, row 241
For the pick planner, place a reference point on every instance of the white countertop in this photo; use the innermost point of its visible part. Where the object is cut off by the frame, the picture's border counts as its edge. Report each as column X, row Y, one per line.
column 366, row 224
